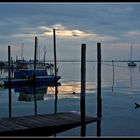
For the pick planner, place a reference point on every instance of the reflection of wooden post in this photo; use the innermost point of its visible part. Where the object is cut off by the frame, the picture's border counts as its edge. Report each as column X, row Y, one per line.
column 99, row 99
column 55, row 66
column 83, row 89
column 9, row 79
column 113, row 75
column 35, row 100
column 98, row 128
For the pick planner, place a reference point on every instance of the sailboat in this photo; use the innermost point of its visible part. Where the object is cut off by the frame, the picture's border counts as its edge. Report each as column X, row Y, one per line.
column 131, row 63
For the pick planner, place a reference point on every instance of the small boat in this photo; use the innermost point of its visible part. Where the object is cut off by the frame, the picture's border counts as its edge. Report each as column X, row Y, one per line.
column 131, row 63
column 26, row 75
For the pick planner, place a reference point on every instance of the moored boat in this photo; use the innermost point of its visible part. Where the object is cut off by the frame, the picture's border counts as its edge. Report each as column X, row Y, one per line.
column 131, row 63
column 25, row 73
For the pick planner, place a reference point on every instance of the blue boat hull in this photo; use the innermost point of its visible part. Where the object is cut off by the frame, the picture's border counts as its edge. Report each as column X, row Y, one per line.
column 38, row 80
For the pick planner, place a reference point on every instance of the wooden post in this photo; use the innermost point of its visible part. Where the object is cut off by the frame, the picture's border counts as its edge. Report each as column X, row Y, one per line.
column 55, row 66
column 99, row 99
column 9, row 79
column 34, row 75
column 83, row 89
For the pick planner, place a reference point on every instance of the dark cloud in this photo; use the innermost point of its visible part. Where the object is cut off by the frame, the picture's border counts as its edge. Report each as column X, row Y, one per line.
column 107, row 22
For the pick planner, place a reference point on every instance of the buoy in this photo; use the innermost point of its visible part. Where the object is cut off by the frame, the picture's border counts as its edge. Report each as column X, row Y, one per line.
column 1, row 83
column 74, row 92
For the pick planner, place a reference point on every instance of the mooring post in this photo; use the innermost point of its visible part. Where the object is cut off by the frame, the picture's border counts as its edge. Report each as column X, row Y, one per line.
column 99, row 99
column 55, row 66
column 9, row 80
column 83, row 89
column 34, row 74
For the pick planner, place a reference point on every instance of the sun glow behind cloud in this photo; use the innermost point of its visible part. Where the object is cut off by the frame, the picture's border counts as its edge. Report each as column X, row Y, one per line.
column 64, row 32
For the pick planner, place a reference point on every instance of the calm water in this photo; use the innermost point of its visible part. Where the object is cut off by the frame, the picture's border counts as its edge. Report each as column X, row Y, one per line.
column 119, row 93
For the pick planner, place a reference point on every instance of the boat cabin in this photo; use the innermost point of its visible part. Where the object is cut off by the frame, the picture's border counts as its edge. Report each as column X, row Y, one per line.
column 25, row 69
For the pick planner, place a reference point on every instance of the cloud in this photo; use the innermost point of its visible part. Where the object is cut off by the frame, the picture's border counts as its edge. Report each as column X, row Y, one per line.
column 132, row 33
column 64, row 32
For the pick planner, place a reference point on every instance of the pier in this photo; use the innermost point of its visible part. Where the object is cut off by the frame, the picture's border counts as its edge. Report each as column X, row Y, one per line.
column 41, row 125
column 51, row 124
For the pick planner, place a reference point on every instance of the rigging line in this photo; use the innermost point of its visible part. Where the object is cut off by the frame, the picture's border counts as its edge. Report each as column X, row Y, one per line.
column 114, row 65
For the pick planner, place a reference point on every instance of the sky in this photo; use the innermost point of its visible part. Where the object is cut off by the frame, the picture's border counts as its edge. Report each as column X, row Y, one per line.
column 115, row 25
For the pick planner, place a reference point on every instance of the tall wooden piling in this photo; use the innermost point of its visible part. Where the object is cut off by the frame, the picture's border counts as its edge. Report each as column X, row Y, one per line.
column 34, row 76
column 55, row 66
column 99, row 99
column 83, row 89
column 9, row 80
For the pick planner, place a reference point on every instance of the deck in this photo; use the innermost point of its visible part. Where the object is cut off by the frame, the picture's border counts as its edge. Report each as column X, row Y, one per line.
column 41, row 125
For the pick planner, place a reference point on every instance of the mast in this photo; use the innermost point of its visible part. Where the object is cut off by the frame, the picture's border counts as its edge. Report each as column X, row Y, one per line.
column 44, row 53
column 131, row 53
column 35, row 53
column 22, row 52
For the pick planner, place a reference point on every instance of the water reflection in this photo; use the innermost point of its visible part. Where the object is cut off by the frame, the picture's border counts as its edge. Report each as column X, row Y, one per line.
column 113, row 72
column 31, row 93
column 131, row 70
column 10, row 102
column 27, row 93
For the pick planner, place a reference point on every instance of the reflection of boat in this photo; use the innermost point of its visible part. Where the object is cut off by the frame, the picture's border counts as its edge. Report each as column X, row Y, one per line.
column 25, row 74
column 28, row 93
column 131, row 63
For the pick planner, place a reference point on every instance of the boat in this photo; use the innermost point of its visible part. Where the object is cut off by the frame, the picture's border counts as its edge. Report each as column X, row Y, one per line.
column 131, row 63
column 26, row 75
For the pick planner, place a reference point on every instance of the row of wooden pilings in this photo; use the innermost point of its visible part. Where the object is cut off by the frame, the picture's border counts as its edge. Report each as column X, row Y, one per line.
column 83, row 83
column 83, row 89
